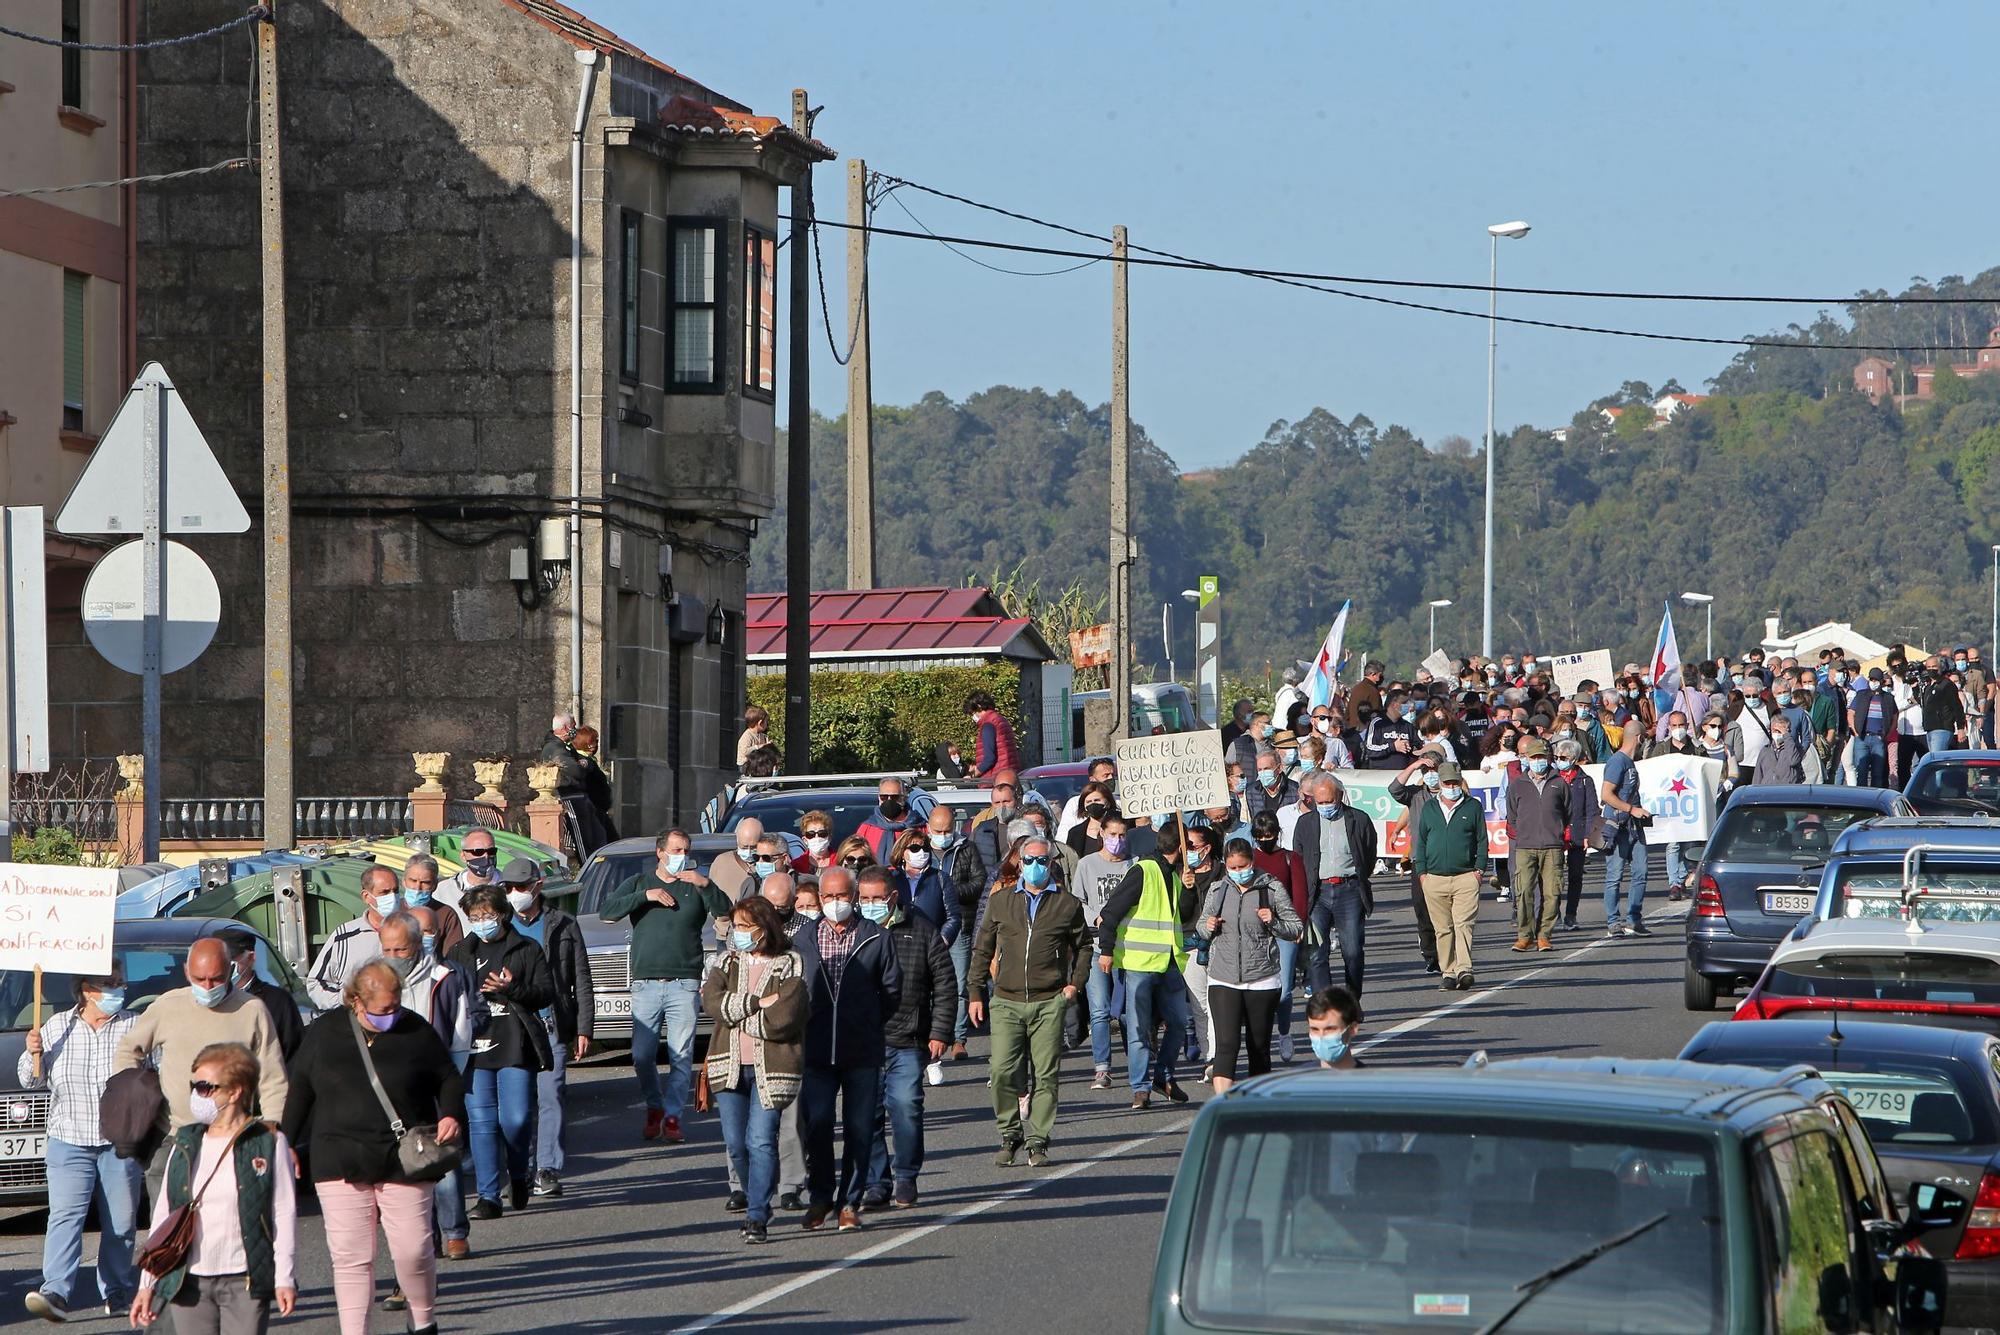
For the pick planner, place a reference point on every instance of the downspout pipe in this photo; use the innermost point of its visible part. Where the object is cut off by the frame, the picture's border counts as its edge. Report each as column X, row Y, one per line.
column 586, row 88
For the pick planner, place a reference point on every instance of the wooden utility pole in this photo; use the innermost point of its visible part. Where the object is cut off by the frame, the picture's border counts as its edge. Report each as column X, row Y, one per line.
column 860, row 390
column 1121, row 478
column 798, row 478
column 277, row 465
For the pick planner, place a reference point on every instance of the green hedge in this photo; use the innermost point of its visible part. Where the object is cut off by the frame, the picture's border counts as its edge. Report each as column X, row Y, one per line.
column 889, row 720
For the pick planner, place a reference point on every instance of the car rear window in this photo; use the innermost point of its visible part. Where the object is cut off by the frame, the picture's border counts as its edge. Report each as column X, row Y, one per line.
column 1797, row 836
column 1964, row 892
column 1912, row 1107
column 1889, row 976
column 1303, row 1225
column 1976, row 783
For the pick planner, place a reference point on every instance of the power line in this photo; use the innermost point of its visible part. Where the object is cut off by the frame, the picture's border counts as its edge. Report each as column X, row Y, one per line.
column 974, row 259
column 228, row 164
column 255, row 13
column 1167, row 260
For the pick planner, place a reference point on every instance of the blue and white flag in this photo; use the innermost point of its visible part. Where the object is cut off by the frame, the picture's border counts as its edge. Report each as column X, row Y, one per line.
column 1326, row 667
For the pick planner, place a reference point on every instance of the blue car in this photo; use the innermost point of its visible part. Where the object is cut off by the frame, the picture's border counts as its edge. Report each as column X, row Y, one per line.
column 1759, row 874
column 1955, row 783
column 1949, row 865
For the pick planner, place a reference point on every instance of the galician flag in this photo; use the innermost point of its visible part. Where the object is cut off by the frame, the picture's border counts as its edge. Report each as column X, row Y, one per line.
column 1319, row 682
column 1666, row 674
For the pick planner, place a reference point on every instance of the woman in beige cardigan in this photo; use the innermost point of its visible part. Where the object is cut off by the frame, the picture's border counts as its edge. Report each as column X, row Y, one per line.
column 756, row 1056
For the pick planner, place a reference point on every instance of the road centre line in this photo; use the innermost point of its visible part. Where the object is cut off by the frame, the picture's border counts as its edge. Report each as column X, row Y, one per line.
column 904, row 1238
column 1415, row 1023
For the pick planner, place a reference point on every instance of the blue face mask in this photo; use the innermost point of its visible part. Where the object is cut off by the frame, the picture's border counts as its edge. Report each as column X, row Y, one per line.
column 1538, row 766
column 1959, row 663
column 1242, row 875
column 763, row 867
column 1431, row 779
column 208, row 998
column 875, row 912
column 385, row 904
column 1328, row 810
column 943, row 841
column 1196, row 858
column 111, row 1000
column 417, row 899
column 1406, row 713
column 1307, row 762
column 742, row 940
column 486, row 929
column 1034, row 875
column 1329, row 1047
column 676, row 862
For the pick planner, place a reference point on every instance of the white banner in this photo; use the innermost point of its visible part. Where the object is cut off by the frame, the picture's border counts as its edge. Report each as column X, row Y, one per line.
column 1176, row 771
column 1680, row 792
column 57, row 917
column 1438, row 665
column 1570, row 670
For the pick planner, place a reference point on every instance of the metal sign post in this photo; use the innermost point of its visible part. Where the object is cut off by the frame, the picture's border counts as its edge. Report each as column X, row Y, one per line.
column 24, row 666
column 154, row 610
column 1208, row 653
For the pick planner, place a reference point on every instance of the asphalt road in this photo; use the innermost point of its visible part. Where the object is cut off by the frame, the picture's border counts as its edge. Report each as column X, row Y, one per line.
column 639, row 1241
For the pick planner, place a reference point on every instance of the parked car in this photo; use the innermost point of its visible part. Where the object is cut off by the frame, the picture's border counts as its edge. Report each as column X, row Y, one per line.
column 1157, row 707
column 152, row 954
column 1879, row 865
column 1759, row 874
column 1930, row 1101
column 1955, row 783
column 722, row 809
column 1946, row 973
column 1534, row 1200
column 1057, row 783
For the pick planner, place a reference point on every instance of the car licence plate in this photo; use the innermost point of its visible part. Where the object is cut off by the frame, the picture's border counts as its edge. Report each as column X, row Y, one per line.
column 1794, row 904
column 24, row 1147
column 614, row 1005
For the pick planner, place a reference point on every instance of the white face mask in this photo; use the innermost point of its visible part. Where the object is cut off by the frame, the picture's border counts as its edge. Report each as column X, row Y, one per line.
column 837, row 910
column 520, row 900
column 203, row 1108
column 917, row 859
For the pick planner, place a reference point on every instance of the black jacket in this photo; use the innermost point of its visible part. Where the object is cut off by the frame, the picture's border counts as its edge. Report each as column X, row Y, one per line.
column 929, row 1005
column 330, row 1099
column 1361, row 838
column 1119, row 904
column 846, row 1026
column 979, row 862
column 515, row 1035
column 1943, row 711
column 569, row 971
column 285, row 1017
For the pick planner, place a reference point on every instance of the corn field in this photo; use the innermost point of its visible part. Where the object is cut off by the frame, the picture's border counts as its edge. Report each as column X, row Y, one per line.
column 1054, row 614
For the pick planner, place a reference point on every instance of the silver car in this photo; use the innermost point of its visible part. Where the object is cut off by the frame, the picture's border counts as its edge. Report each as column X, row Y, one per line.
column 610, row 943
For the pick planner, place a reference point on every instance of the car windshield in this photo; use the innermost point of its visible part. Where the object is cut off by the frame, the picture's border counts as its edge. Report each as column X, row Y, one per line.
column 1796, row 836
column 1972, row 784
column 149, row 970
column 1906, row 1107
column 1962, row 892
column 782, row 812
column 1058, row 789
column 605, row 872
column 1925, row 976
column 1430, row 1224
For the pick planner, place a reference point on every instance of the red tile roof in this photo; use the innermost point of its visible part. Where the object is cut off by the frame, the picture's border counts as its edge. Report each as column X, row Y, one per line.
column 686, row 115
column 586, row 34
column 894, row 623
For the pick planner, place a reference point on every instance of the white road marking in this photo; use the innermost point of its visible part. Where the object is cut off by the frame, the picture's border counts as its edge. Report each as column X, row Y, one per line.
column 905, row 1237
column 1410, row 1026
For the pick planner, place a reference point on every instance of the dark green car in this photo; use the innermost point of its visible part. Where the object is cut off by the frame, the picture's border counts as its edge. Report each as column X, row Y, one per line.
column 1529, row 1201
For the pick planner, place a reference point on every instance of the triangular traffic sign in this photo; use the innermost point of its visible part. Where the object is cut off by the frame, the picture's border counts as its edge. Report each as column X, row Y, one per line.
column 109, row 497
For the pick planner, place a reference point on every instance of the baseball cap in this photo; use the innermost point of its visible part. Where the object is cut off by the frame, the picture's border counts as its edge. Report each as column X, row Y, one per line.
column 1535, row 746
column 520, row 871
column 1450, row 773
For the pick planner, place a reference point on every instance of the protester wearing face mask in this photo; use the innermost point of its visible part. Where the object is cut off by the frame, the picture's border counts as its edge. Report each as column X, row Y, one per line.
column 891, row 817
column 568, row 1020
column 756, row 1058
column 480, row 854
column 420, row 887
column 1415, row 787
column 1447, row 854
column 1086, row 835
column 1098, row 875
column 1583, row 813
column 355, row 941
column 234, row 1173
column 1244, row 916
column 279, row 1001
column 921, row 887
column 182, row 1022
column 1201, row 868
column 1782, row 761
column 512, row 975
column 1538, row 816
column 443, row 992
column 1338, row 848
column 1273, row 859
column 816, row 833
column 668, row 908
column 1271, row 788
column 1679, row 741
column 733, row 875
column 76, row 1048
column 805, row 908
column 1333, row 1022
column 1140, row 934
column 916, row 1035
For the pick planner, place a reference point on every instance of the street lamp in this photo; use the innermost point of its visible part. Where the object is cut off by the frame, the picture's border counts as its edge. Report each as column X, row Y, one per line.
column 1436, row 603
column 1995, row 650
column 1706, row 601
column 1513, row 231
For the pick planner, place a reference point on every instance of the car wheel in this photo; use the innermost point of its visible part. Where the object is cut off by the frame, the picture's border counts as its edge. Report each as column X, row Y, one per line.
column 1697, row 990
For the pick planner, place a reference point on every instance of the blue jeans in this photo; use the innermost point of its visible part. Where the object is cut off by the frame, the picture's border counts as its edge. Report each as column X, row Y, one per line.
column 77, row 1173
column 902, row 1110
column 1871, row 762
column 501, row 1107
column 858, row 1088
column 750, row 1134
column 1288, row 966
column 1097, row 990
column 448, row 1206
column 664, row 1008
column 1677, row 864
column 961, row 960
column 1626, row 862
column 1938, row 739
column 1152, row 999
column 1338, row 909
column 550, row 1088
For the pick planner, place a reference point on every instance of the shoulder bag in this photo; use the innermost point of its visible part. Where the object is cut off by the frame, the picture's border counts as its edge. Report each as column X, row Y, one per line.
column 419, row 1154
column 166, row 1248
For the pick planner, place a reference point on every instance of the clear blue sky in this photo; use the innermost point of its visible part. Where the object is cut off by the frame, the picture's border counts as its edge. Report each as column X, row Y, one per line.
column 1814, row 149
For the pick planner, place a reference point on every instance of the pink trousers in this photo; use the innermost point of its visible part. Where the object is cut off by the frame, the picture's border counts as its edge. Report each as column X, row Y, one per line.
column 352, row 1211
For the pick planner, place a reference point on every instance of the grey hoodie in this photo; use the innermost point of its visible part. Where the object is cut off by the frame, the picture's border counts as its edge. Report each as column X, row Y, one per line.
column 1245, row 949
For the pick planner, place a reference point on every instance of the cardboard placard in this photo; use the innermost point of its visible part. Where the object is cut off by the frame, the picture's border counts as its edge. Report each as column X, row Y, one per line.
column 1176, row 771
column 1570, row 669
column 57, row 917
column 1439, row 665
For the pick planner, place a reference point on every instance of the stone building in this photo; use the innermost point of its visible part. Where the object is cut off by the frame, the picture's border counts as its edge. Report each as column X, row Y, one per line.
column 427, row 180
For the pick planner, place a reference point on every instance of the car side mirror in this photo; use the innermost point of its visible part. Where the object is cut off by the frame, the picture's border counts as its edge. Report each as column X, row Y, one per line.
column 1920, row 1292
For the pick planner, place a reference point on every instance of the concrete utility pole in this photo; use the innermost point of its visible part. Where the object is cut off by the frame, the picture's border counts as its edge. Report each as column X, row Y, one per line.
column 860, row 390
column 798, row 477
column 277, row 477
column 1121, row 481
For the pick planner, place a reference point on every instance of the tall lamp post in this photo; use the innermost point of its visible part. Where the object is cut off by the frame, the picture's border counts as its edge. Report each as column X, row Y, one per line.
column 1514, row 231
column 1436, row 603
column 1706, row 601
column 1994, row 652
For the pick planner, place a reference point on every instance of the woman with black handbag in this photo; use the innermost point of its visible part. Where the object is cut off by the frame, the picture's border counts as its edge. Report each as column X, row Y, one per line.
column 386, row 1107
column 222, row 1168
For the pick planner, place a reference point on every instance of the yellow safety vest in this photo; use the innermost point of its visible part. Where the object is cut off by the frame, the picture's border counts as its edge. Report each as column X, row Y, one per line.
column 1150, row 937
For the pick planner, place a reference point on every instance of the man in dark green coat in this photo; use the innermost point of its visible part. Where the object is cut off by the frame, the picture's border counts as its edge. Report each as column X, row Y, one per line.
column 1447, row 853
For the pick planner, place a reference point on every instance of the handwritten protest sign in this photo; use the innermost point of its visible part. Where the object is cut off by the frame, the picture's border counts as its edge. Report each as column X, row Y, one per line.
column 1180, row 771
column 57, row 917
column 1569, row 670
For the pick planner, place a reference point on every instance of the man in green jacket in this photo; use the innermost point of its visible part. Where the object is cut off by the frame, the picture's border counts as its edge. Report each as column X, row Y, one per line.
column 668, row 907
column 1448, row 852
column 1030, row 958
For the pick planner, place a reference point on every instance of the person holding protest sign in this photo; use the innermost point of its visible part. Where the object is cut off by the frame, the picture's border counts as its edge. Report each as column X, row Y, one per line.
column 1626, row 856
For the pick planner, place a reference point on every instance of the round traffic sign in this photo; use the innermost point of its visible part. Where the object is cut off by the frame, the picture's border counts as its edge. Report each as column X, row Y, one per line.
column 114, row 606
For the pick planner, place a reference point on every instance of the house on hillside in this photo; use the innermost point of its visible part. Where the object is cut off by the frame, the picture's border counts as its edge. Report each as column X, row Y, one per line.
column 1806, row 644
column 1669, row 406
column 1985, row 360
column 1876, row 376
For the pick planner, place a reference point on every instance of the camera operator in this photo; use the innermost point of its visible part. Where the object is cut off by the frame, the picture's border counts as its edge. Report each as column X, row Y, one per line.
column 1943, row 707
column 1623, row 840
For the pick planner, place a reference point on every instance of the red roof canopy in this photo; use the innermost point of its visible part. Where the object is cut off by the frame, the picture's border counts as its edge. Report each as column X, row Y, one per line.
column 891, row 623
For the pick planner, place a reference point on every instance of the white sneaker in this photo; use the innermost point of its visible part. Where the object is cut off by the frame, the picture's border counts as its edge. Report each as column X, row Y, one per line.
column 1285, row 1048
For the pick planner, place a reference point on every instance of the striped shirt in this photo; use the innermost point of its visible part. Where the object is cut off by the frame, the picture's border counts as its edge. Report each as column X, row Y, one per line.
column 77, row 1061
